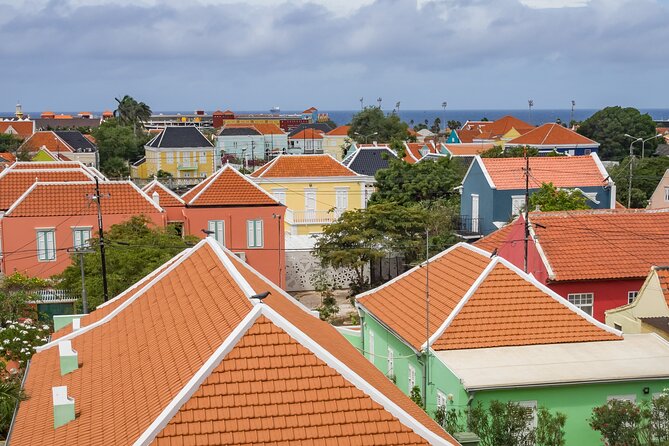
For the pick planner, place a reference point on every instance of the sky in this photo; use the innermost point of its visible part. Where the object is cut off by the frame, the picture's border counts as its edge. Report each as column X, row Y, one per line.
column 74, row 55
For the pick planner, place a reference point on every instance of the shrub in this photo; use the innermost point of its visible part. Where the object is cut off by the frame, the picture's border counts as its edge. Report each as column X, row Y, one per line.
column 618, row 422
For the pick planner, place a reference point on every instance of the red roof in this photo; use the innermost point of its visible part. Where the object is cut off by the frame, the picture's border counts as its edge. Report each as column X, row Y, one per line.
column 478, row 302
column 468, row 149
column 45, row 139
column 500, row 127
column 342, row 130
column 189, row 357
column 562, row 171
column 602, row 244
column 265, row 129
column 14, row 182
column 552, row 134
column 228, row 187
column 72, row 198
column 495, row 239
column 310, row 110
column 22, row 129
column 291, row 166
column 663, row 277
column 166, row 197
column 7, row 158
column 47, row 165
column 308, row 134
column 413, row 151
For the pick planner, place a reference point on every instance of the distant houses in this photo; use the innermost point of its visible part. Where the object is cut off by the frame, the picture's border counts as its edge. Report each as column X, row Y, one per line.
column 61, row 145
column 552, row 137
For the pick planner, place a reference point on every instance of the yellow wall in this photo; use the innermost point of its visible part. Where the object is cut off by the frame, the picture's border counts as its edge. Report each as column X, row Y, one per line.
column 332, row 145
column 159, row 159
column 325, row 199
column 649, row 303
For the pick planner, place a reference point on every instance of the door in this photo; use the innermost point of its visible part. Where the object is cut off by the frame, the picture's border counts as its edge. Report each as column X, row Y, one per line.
column 310, row 203
column 475, row 213
column 341, row 201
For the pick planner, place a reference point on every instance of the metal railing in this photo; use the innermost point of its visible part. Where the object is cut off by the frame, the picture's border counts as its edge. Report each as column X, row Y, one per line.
column 53, row 296
column 465, row 225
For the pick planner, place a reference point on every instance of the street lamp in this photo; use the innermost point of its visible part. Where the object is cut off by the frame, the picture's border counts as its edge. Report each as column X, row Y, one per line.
column 643, row 142
column 530, row 104
column 443, row 105
column 366, row 136
column 629, row 181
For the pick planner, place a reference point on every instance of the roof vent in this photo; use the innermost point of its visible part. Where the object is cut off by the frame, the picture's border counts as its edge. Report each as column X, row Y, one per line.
column 63, row 407
column 69, row 358
column 156, row 198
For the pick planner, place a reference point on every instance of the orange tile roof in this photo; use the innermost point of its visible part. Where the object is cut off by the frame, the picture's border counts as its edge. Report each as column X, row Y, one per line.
column 468, row 149
column 189, row 194
column 500, row 127
column 308, row 134
column 495, row 239
column 285, row 369
column 342, row 130
column 467, row 136
column 21, row 129
column 228, row 187
column 476, row 302
column 562, row 171
column 552, row 134
column 7, row 158
column 15, row 181
column 166, row 197
column 48, row 165
column 412, row 151
column 46, row 139
column 602, row 244
column 663, row 276
column 310, row 110
column 265, row 129
column 290, row 166
column 71, row 198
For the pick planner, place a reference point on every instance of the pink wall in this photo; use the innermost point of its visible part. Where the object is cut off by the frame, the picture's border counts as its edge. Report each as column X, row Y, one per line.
column 175, row 213
column 608, row 294
column 267, row 259
column 19, row 240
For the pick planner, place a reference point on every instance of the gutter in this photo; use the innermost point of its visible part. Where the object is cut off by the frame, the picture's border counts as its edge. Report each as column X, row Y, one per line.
column 565, row 383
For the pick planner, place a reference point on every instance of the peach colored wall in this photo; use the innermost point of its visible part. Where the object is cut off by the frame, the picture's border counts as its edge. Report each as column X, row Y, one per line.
column 19, row 240
column 266, row 259
column 175, row 213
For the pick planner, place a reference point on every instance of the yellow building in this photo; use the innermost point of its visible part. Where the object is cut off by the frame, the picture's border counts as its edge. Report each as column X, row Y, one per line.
column 316, row 189
column 648, row 312
column 184, row 152
column 336, row 141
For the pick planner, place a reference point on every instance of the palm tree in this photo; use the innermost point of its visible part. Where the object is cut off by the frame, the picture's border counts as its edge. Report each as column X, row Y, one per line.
column 131, row 112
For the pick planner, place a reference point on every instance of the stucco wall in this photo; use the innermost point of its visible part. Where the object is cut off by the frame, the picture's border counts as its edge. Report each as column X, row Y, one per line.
column 302, row 266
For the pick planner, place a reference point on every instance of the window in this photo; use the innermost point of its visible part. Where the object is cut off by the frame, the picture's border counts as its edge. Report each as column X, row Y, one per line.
column 371, row 346
column 341, row 200
column 666, row 194
column 254, row 233
column 310, row 200
column 280, row 195
column 169, row 157
column 531, row 406
column 218, row 229
column 587, row 151
column 442, row 399
column 618, row 327
column 81, row 236
column 412, row 377
column 46, row 245
column 583, row 301
column 631, row 295
column 203, row 157
column 517, row 204
column 391, row 362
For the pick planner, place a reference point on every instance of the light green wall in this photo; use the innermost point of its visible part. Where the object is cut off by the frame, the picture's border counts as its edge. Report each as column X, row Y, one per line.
column 352, row 336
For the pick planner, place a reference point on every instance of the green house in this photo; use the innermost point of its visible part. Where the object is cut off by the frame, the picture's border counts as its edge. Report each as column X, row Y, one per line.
column 496, row 333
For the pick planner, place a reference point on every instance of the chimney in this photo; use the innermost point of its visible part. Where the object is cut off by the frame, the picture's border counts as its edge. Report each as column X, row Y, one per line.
column 63, row 406
column 156, row 198
column 76, row 324
column 69, row 358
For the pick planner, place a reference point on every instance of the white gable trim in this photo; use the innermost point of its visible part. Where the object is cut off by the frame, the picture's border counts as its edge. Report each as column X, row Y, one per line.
column 540, row 250
column 477, row 159
column 227, row 263
column 160, row 185
column 269, row 166
column 21, row 198
column 140, row 192
column 209, row 183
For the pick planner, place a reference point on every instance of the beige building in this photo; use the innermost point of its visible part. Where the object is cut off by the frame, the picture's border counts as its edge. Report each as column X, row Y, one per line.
column 336, row 141
column 660, row 198
column 648, row 312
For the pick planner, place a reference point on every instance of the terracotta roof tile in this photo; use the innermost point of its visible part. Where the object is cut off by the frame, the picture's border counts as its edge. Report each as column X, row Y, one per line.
column 228, row 187
column 552, row 134
column 15, row 181
column 288, row 166
column 504, row 308
column 413, row 151
column 663, row 276
column 46, row 139
column 188, row 195
column 495, row 239
column 308, row 134
column 602, row 244
column 498, row 128
column 133, row 365
column 468, row 149
column 507, row 310
column 166, row 196
column 342, row 130
column 48, row 165
column 562, row 171
column 72, row 198
column 21, row 129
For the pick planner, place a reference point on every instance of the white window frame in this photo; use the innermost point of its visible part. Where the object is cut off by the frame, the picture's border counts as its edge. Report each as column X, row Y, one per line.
column 341, row 200
column 310, row 195
column 390, row 362
column 218, row 229
column 666, row 193
column 371, row 346
column 411, row 377
column 280, row 194
column 576, row 299
column 203, row 157
column 255, row 233
column 629, row 397
column 80, row 236
column 631, row 296
column 169, row 157
column 44, row 238
column 517, row 207
column 442, row 399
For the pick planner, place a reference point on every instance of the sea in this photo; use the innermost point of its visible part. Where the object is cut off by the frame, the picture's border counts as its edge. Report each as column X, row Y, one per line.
column 414, row 117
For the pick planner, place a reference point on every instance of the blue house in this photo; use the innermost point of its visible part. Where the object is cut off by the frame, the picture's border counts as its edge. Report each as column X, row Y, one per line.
column 493, row 189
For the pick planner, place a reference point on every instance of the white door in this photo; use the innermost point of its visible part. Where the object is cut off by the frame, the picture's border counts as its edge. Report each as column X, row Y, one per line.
column 310, row 202
column 475, row 213
column 341, row 201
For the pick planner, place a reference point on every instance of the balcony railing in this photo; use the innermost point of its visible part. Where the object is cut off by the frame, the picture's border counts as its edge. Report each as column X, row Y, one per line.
column 187, row 166
column 53, row 296
column 466, row 226
column 311, row 217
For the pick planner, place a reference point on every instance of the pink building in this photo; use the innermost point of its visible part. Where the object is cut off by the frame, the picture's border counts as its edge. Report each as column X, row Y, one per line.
column 168, row 200
column 596, row 259
column 240, row 216
column 51, row 218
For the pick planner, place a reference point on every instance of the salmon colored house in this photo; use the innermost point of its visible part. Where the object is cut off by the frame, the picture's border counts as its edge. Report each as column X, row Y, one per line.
column 223, row 369
column 51, row 218
column 168, row 200
column 596, row 259
column 240, row 216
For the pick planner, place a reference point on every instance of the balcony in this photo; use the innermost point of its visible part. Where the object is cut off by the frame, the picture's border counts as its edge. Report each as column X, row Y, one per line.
column 467, row 227
column 311, row 217
column 187, row 166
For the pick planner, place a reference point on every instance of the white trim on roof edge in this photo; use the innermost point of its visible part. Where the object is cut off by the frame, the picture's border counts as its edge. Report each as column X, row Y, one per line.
column 141, row 193
column 129, row 301
column 21, row 198
column 220, row 172
column 227, row 263
column 463, row 301
column 163, row 187
column 540, row 250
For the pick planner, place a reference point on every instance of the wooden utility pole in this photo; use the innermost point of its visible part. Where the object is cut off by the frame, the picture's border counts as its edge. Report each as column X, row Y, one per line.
column 97, row 197
column 527, row 205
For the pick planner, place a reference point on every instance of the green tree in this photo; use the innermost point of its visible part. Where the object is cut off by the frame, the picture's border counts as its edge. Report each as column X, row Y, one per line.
column 509, row 152
column 132, row 113
column 133, row 249
column 16, row 290
column 618, row 422
column 416, row 397
column 9, row 143
column 453, row 124
column 502, row 424
column 117, row 142
column 328, row 308
column 550, row 428
column 549, row 198
column 372, row 124
column 646, row 174
column 609, row 126
column 11, row 394
column 436, row 125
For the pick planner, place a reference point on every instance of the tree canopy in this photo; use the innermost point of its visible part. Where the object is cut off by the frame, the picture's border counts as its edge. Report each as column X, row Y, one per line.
column 371, row 124
column 132, row 113
column 118, row 144
column 133, row 249
column 509, row 152
column 548, row 198
column 609, row 126
column 646, row 174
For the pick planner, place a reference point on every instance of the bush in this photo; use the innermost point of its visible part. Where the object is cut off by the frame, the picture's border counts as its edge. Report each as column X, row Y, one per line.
column 18, row 340
column 618, row 422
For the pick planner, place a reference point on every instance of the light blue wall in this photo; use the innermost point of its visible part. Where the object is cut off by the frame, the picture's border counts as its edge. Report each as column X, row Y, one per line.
column 476, row 183
column 233, row 144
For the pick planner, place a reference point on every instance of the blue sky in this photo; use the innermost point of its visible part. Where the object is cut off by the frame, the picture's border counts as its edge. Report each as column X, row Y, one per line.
column 253, row 54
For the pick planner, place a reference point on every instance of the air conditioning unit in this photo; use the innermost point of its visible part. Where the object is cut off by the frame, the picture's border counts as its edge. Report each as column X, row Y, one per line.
column 241, row 255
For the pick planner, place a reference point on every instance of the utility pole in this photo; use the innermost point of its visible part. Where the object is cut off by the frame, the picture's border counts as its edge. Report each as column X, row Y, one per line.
column 527, row 205
column 629, row 182
column 571, row 119
column 379, row 101
column 530, row 104
column 362, row 107
column 80, row 252
column 253, row 161
column 427, row 315
column 398, row 107
column 278, row 218
column 97, row 197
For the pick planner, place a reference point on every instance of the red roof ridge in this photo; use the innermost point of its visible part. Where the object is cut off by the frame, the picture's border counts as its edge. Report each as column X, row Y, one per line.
column 158, row 184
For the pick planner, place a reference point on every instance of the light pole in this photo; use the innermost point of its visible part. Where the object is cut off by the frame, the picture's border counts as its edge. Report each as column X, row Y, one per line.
column 643, row 142
column 443, row 106
column 379, row 101
column 362, row 107
column 629, row 181
column 366, row 136
column 530, row 104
